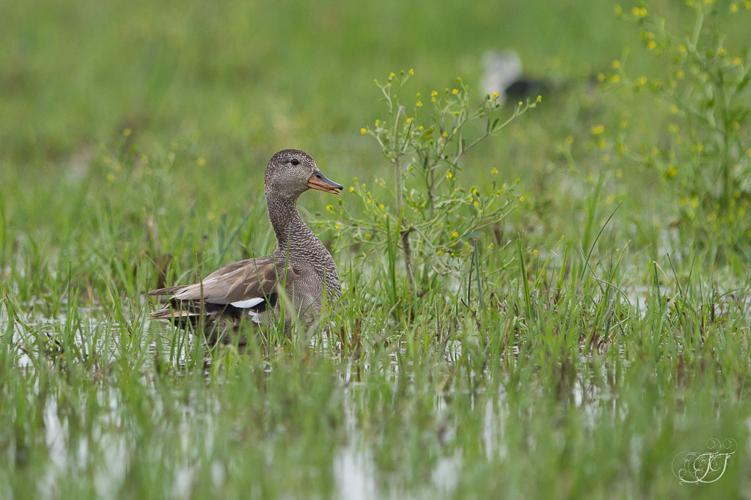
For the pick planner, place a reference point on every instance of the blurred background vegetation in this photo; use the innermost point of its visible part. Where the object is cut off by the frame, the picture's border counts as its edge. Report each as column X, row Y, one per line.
column 242, row 79
column 224, row 85
column 133, row 140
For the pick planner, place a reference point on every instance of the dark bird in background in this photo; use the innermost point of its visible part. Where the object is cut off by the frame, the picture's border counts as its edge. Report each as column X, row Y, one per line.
column 503, row 73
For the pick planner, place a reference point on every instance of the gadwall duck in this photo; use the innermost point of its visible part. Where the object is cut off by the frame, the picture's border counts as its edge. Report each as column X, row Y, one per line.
column 301, row 267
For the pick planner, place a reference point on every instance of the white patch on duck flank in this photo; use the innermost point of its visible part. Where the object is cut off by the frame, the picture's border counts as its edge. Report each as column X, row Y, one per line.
column 246, row 304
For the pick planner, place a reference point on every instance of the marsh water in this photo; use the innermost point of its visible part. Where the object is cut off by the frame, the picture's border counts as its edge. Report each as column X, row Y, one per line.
column 97, row 435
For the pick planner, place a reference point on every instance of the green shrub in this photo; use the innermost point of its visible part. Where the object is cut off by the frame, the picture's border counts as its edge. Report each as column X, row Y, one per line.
column 424, row 213
column 705, row 154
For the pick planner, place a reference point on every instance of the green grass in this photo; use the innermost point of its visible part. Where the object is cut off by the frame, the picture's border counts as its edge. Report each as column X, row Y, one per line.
column 605, row 341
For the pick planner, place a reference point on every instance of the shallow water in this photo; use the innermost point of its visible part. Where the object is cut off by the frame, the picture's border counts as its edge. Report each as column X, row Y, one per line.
column 104, row 444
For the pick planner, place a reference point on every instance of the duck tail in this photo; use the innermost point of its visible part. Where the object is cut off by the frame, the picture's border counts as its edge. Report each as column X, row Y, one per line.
column 170, row 313
column 170, row 290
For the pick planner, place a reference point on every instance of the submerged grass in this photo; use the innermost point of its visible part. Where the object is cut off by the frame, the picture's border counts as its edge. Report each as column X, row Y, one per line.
column 574, row 349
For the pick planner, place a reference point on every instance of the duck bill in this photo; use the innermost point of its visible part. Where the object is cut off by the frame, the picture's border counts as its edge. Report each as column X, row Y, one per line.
column 322, row 183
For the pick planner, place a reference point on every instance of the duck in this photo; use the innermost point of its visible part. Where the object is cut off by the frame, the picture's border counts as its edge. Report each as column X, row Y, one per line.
column 292, row 283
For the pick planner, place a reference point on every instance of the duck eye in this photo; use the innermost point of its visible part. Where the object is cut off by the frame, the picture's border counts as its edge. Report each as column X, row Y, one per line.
column 295, row 161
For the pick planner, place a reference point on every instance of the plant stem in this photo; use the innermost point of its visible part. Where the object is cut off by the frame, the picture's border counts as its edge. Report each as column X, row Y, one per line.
column 397, row 165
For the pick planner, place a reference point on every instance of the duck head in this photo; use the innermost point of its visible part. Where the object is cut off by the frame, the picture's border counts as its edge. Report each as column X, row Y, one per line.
column 291, row 172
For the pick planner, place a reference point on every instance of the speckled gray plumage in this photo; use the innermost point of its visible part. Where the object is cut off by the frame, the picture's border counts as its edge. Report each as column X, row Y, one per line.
column 303, row 249
column 301, row 265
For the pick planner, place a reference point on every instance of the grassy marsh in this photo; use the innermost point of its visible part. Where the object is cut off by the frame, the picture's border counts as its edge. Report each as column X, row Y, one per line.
column 575, row 350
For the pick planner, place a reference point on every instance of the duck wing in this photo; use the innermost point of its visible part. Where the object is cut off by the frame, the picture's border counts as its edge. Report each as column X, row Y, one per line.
column 249, row 285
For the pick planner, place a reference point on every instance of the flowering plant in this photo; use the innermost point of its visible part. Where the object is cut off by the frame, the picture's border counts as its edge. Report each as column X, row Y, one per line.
column 425, row 214
column 705, row 156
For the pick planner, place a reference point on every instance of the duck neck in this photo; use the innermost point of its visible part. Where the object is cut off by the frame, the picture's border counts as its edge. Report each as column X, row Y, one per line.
column 298, row 243
column 286, row 221
column 294, row 236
